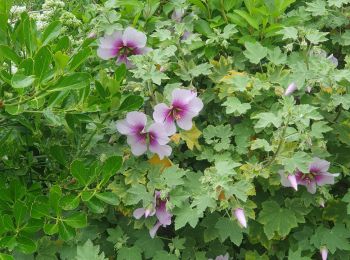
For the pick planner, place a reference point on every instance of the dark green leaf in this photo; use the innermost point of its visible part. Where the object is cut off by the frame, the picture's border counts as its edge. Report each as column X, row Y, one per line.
column 74, row 81
column 132, row 102
column 76, row 220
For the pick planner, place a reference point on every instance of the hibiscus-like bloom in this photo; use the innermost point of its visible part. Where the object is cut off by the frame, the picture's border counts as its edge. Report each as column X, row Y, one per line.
column 318, row 175
column 157, row 208
column 156, row 137
column 121, row 45
column 290, row 89
column 184, row 106
column 239, row 214
column 221, row 257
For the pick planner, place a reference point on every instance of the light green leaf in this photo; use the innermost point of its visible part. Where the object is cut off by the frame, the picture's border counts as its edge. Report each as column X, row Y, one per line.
column 248, row 18
column 299, row 160
column 129, row 253
column 7, row 53
column 76, row 220
column 89, row 252
column 289, row 33
column 73, row 81
column 185, row 215
column 51, row 32
column 255, row 52
column 318, row 128
column 276, row 56
column 22, row 81
column 108, row 197
column 137, row 193
column 317, row 8
column 261, row 143
column 338, row 3
column 266, row 119
column 234, row 105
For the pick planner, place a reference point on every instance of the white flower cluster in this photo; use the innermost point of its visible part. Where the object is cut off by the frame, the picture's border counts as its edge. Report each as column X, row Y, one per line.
column 16, row 10
column 49, row 9
column 70, row 20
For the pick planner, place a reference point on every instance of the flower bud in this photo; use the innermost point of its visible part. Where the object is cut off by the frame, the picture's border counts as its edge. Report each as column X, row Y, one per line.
column 324, row 252
column 239, row 214
column 290, row 89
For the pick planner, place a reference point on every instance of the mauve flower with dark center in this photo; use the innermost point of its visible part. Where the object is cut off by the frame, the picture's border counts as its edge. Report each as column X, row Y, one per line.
column 184, row 106
column 155, row 138
column 121, row 45
column 157, row 208
column 318, row 175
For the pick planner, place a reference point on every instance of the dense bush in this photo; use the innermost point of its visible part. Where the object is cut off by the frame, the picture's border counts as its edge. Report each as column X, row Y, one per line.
column 174, row 129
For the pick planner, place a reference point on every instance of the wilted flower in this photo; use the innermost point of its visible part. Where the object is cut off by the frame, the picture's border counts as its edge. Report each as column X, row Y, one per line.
column 324, row 253
column 186, row 35
column 122, row 45
column 184, row 106
column 317, row 175
column 239, row 214
column 221, row 257
column 290, row 89
column 157, row 208
column 156, row 138
column 178, row 14
column 333, row 59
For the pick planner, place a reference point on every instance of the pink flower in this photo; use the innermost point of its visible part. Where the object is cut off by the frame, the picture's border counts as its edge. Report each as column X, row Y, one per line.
column 324, row 253
column 184, row 106
column 121, row 45
column 155, row 138
column 239, row 214
column 158, row 208
column 318, row 175
column 290, row 89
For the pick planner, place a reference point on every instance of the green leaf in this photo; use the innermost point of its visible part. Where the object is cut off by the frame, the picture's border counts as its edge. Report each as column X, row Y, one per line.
column 7, row 53
column 73, row 81
column 50, row 229
column 255, row 52
column 333, row 239
column 248, row 18
column 149, row 246
column 89, row 252
column 276, row 220
column 299, row 160
column 234, row 105
column 42, row 61
column 129, row 253
column 137, row 193
column 318, row 128
column 276, row 56
column 266, row 119
column 21, row 81
column 228, row 228
column 95, row 205
column 346, row 198
column 19, row 211
column 110, row 167
column 185, row 215
column 5, row 256
column 54, row 198
column 76, row 220
column 261, row 143
column 173, row 176
column 132, row 102
column 26, row 245
column 79, row 58
column 338, row 3
column 108, row 197
column 317, row 8
column 315, row 36
column 79, row 172
column 202, row 69
column 65, row 232
column 289, row 33
column 241, row 189
column 51, row 32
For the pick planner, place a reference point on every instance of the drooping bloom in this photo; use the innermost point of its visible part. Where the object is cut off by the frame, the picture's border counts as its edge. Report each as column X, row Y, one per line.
column 121, row 45
column 290, row 89
column 178, row 14
column 318, row 175
column 184, row 106
column 240, row 216
column 155, row 138
column 324, row 253
column 221, row 257
column 158, row 208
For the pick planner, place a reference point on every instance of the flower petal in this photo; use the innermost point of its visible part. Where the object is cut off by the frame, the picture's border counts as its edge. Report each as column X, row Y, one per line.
column 324, row 253
column 195, row 105
column 183, row 95
column 161, row 150
column 325, row 178
column 293, row 181
column 137, row 147
column 290, row 89
column 162, row 115
column 111, row 41
column 133, row 38
column 319, row 166
column 136, row 118
column 185, row 122
column 239, row 214
column 123, row 127
column 106, row 54
column 154, row 230
column 159, row 131
column 139, row 51
column 163, row 215
column 138, row 213
column 284, row 180
column 311, row 187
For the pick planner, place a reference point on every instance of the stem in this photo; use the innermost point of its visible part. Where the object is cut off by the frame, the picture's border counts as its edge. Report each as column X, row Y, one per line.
column 340, row 109
column 223, row 11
